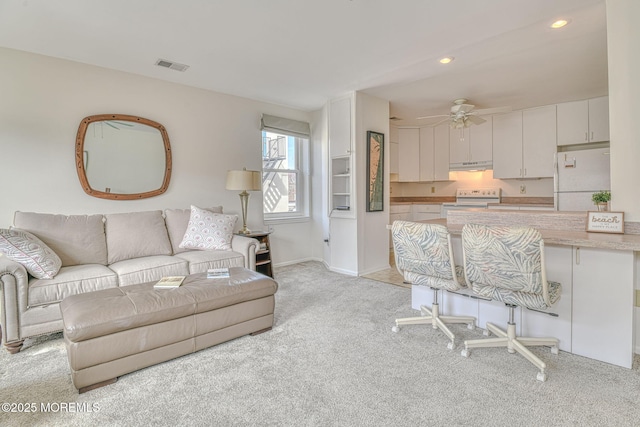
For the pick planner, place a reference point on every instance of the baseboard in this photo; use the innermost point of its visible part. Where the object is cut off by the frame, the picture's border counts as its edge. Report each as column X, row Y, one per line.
column 298, row 261
column 374, row 270
column 342, row 271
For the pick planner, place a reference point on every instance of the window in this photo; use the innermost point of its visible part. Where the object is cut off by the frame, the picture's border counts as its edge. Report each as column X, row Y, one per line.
column 284, row 170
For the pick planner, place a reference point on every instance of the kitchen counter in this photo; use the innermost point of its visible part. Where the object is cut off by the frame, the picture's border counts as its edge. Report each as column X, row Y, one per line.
column 421, row 200
column 523, row 205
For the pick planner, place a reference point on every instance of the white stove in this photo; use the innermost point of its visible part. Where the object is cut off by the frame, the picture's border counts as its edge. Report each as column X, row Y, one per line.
column 467, row 198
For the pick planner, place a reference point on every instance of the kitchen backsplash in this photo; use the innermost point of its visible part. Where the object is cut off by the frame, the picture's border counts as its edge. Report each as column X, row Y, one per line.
column 510, row 187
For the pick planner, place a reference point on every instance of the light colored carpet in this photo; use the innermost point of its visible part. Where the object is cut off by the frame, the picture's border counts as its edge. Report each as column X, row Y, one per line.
column 331, row 360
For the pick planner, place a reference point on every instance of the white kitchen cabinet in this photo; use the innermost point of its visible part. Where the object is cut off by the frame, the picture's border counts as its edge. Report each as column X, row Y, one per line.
column 422, row 212
column 409, row 155
column 581, row 122
column 427, row 151
column 538, row 141
column 507, row 145
column 423, row 154
column 558, row 325
column 340, row 127
column 602, row 326
column 393, row 157
column 441, row 152
column 472, row 144
column 524, row 143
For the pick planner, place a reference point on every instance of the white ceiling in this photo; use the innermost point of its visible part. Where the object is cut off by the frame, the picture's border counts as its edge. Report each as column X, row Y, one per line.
column 300, row 53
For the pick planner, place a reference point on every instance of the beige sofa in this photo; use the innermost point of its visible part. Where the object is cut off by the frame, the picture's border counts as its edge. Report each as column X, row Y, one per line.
column 101, row 252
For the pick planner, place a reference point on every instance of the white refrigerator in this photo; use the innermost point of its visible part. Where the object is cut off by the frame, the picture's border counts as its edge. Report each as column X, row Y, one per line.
column 578, row 175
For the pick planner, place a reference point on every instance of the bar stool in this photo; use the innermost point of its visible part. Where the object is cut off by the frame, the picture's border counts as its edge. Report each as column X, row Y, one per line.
column 424, row 256
column 507, row 264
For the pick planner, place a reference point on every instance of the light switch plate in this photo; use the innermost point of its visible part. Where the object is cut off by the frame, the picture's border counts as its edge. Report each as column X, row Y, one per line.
column 637, row 297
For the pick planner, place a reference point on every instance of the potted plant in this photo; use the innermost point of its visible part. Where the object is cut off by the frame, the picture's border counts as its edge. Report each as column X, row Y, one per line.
column 601, row 199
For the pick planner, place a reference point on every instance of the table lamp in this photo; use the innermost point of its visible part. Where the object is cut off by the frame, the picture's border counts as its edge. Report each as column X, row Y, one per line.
column 246, row 181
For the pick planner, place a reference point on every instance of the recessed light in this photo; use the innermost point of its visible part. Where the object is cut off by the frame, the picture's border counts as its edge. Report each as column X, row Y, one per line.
column 559, row 23
column 446, row 59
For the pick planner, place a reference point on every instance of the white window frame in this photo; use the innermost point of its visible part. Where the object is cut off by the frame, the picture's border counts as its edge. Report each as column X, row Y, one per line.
column 302, row 183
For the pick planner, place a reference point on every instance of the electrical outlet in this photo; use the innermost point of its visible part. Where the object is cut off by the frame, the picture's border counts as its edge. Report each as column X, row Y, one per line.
column 433, row 189
column 523, row 189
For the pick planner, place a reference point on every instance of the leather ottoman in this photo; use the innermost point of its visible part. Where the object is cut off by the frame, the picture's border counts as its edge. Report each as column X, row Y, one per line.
column 116, row 331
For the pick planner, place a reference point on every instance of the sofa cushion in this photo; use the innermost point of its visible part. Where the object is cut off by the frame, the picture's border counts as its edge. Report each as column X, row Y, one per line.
column 177, row 221
column 26, row 249
column 72, row 280
column 136, row 234
column 209, row 230
column 76, row 239
column 201, row 261
column 149, row 269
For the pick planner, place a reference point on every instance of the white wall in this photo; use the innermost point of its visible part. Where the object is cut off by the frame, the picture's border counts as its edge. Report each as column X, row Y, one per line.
column 623, row 34
column 372, row 114
column 624, row 103
column 44, row 99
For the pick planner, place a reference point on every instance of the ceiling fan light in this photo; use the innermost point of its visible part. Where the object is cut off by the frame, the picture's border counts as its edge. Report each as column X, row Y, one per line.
column 446, row 60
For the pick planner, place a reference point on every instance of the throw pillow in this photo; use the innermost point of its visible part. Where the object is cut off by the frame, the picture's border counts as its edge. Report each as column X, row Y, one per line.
column 25, row 248
column 208, row 230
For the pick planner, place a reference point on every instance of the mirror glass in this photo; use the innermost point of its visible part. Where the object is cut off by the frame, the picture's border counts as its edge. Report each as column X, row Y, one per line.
column 122, row 157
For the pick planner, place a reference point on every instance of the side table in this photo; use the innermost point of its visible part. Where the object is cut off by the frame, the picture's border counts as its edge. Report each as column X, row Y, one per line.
column 263, row 254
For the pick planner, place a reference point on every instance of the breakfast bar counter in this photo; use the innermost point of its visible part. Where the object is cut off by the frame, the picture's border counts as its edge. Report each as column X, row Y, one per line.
column 556, row 227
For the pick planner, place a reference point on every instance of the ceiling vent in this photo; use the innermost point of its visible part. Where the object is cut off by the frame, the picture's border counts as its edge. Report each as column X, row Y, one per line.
column 171, row 65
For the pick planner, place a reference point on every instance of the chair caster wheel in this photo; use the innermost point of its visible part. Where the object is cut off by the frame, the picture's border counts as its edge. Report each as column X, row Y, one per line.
column 465, row 353
column 486, row 333
column 541, row 376
column 450, row 346
column 471, row 326
column 395, row 329
column 554, row 349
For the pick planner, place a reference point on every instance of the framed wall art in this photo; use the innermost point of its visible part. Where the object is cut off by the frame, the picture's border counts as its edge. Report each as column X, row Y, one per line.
column 375, row 171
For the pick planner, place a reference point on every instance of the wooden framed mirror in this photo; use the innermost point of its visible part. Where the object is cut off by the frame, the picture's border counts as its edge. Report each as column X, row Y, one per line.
column 122, row 157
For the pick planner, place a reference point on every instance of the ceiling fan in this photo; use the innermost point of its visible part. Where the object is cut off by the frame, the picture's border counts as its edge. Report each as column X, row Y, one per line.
column 463, row 115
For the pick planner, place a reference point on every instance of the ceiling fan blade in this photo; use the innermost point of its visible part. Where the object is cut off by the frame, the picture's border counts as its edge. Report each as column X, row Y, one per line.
column 440, row 122
column 432, row 117
column 475, row 119
column 495, row 110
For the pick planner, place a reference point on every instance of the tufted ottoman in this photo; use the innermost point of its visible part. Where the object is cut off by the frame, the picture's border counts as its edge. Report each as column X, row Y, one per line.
column 116, row 331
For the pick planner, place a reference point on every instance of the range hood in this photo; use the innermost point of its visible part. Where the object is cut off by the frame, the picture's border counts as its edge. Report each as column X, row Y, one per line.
column 469, row 166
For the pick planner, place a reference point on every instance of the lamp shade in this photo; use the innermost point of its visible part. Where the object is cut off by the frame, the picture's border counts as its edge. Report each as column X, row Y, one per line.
column 243, row 180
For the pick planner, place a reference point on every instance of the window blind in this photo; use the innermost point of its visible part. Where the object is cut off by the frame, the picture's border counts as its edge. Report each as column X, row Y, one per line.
column 285, row 126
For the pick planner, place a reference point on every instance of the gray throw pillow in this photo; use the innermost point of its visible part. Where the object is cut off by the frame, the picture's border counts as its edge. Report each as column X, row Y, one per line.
column 25, row 248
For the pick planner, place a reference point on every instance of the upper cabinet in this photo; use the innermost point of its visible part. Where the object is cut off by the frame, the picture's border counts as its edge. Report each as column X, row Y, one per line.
column 340, row 127
column 423, row 154
column 524, row 143
column 393, row 150
column 581, row 122
column 538, row 141
column 471, row 145
column 409, row 155
column 507, row 145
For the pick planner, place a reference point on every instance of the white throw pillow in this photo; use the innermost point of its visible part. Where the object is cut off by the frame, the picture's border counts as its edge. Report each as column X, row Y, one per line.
column 25, row 248
column 208, row 230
